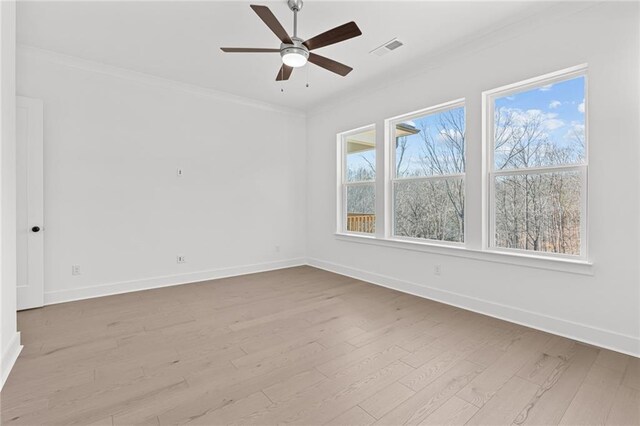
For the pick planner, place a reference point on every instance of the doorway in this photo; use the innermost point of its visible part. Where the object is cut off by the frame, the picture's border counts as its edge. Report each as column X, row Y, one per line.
column 30, row 203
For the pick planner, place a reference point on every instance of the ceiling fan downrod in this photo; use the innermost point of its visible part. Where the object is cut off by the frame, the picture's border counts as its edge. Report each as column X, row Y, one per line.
column 295, row 6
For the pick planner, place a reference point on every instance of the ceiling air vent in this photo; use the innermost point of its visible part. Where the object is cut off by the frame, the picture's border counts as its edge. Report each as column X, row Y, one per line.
column 387, row 47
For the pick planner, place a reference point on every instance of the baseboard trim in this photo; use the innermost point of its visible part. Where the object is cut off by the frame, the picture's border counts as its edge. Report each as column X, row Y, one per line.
column 581, row 332
column 572, row 330
column 69, row 295
column 9, row 357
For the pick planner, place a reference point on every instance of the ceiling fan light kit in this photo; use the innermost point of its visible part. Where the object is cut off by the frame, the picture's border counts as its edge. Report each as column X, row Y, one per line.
column 294, row 51
column 294, row 55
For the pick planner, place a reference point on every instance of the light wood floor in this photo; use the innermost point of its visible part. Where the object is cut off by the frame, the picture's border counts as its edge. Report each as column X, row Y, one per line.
column 307, row 347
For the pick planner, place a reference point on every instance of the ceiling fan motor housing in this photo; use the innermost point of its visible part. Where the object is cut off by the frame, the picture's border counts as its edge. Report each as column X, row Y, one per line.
column 297, row 48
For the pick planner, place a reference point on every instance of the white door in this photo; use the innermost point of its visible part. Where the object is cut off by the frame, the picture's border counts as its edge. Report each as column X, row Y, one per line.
column 30, row 203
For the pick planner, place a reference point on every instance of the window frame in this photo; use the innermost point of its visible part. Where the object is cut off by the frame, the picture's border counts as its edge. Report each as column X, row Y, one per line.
column 343, row 184
column 476, row 244
column 488, row 122
column 392, row 179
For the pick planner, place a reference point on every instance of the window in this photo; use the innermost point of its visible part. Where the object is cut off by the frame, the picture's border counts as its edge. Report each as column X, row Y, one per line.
column 358, row 154
column 522, row 200
column 538, row 165
column 427, row 173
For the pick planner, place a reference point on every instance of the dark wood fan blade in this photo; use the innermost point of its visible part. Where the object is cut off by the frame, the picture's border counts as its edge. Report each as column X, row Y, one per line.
column 284, row 73
column 272, row 22
column 336, row 35
column 247, row 50
column 329, row 64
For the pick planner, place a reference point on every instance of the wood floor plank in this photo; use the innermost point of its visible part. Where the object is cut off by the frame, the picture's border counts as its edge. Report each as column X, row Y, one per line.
column 355, row 416
column 506, row 404
column 324, row 402
column 626, row 407
column 434, row 368
column 296, row 384
column 422, row 404
column 539, row 369
column 352, row 395
column 359, row 356
column 461, row 339
column 482, row 388
column 233, row 411
column 613, row 360
column 283, row 314
column 496, row 347
column 340, row 336
column 386, row 400
column 455, row 411
column 35, row 389
column 107, row 421
column 91, row 403
column 632, row 374
column 594, row 399
column 209, row 391
column 303, row 346
column 555, row 394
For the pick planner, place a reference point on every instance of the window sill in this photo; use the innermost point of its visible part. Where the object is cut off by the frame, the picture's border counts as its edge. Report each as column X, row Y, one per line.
column 573, row 266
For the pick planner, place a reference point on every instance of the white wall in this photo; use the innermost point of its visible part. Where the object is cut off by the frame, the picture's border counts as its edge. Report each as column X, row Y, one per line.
column 9, row 337
column 602, row 308
column 114, row 205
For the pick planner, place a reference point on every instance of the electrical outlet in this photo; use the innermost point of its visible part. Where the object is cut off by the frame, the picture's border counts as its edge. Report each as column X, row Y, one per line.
column 179, row 172
column 75, row 269
column 437, row 270
column 181, row 259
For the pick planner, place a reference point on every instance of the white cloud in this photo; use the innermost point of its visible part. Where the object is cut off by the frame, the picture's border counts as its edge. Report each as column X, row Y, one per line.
column 548, row 120
column 553, row 123
column 448, row 134
column 581, row 107
column 555, row 104
column 575, row 132
column 546, row 87
column 577, row 126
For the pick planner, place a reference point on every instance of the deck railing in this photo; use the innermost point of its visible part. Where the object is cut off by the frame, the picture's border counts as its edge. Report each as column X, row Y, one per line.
column 357, row 222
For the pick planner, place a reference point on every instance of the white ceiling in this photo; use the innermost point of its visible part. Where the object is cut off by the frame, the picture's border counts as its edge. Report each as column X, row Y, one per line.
column 180, row 40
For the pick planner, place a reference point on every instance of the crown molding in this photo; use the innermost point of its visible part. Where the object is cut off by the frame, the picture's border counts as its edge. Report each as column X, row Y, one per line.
column 148, row 79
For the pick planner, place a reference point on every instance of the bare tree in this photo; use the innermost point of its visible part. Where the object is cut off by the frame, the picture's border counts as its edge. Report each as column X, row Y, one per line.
column 535, row 211
column 433, row 208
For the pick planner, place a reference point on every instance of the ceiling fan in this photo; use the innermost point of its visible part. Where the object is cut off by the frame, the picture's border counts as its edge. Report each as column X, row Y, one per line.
column 295, row 52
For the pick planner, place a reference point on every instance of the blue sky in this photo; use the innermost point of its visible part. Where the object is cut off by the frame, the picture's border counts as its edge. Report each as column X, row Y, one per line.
column 415, row 145
column 361, row 159
column 561, row 105
column 432, row 124
column 563, row 98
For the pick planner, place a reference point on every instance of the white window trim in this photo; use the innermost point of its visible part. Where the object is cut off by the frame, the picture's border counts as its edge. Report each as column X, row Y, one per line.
column 488, row 102
column 390, row 166
column 341, row 220
column 383, row 237
column 526, row 259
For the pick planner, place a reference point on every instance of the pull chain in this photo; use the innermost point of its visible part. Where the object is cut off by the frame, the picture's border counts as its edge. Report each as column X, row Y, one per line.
column 281, row 79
